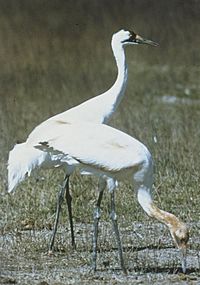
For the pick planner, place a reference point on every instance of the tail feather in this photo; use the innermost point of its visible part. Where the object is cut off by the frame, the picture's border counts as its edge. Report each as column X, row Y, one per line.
column 23, row 159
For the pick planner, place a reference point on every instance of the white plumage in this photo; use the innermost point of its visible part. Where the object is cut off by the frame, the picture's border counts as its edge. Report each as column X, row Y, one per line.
column 96, row 149
column 24, row 158
column 99, row 146
column 113, row 156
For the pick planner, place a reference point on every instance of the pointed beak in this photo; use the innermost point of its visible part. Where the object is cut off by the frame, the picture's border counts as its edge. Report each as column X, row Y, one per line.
column 183, row 258
column 140, row 40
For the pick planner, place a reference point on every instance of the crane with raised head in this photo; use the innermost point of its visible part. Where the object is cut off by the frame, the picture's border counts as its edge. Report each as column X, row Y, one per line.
column 24, row 158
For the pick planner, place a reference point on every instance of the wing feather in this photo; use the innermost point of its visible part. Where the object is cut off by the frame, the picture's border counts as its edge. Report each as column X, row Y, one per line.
column 96, row 145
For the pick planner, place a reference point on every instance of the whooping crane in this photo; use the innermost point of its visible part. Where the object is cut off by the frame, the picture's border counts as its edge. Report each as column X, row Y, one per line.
column 24, row 158
column 112, row 156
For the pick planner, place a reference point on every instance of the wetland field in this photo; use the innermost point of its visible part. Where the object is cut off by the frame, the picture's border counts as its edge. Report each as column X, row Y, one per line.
column 57, row 54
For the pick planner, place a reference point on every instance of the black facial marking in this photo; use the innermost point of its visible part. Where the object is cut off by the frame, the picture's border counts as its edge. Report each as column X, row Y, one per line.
column 44, row 144
column 131, row 39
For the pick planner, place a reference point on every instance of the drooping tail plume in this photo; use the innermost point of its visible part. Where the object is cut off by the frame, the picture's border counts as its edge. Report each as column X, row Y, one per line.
column 23, row 159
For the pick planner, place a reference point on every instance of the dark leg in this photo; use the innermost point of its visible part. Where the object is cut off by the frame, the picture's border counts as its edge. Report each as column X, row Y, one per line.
column 69, row 205
column 59, row 204
column 97, row 214
column 113, row 217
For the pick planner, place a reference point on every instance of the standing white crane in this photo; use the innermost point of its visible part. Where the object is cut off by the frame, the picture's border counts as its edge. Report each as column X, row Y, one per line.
column 24, row 158
column 112, row 156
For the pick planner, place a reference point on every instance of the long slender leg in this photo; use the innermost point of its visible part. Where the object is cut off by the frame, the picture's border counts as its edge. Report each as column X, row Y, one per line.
column 97, row 214
column 59, row 204
column 113, row 217
column 69, row 205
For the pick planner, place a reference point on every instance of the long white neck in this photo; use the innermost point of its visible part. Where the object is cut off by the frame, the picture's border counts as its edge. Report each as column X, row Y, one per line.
column 117, row 90
column 99, row 109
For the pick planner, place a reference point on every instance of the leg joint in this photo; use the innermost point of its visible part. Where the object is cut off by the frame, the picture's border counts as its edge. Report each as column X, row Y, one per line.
column 97, row 213
column 113, row 216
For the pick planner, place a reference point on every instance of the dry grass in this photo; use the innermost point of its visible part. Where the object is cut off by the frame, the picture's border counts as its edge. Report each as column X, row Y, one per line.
column 56, row 54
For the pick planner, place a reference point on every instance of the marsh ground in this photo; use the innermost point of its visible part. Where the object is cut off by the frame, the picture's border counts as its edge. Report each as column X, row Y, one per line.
column 56, row 54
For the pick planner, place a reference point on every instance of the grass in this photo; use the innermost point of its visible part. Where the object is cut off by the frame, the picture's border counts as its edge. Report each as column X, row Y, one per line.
column 57, row 54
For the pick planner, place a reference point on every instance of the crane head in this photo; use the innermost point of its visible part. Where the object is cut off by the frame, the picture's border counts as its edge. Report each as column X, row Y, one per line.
column 180, row 235
column 129, row 38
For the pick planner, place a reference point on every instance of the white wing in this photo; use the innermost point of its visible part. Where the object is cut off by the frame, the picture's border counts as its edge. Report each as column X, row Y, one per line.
column 96, row 145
